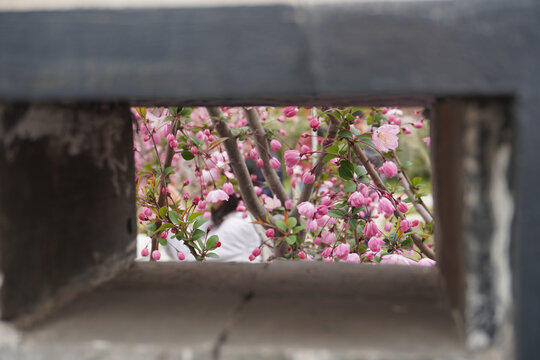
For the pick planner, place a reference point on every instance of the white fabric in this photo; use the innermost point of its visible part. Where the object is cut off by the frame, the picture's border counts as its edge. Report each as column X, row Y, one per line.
column 237, row 236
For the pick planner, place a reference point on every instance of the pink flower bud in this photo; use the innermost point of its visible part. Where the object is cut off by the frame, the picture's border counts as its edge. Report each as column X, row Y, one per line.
column 228, row 188
column 156, row 255
column 142, row 217
column 256, row 252
column 389, row 169
column 415, row 223
column 301, row 255
column 218, row 244
column 251, row 257
column 353, row 258
column 388, row 226
column 260, row 163
column 283, row 132
column 144, row 252
column 195, row 200
column 314, row 124
column 281, row 118
column 402, row 207
column 269, row 233
column 288, row 204
column 186, row 196
column 258, row 190
column 308, row 178
column 194, row 150
column 317, row 240
column 371, row 229
column 164, row 235
column 290, row 111
column 356, row 199
column 327, row 252
column 147, row 211
column 305, row 149
column 418, row 124
column 322, row 210
column 170, row 137
column 386, row 207
column 275, row 145
column 342, row 251
column 374, row 245
column 274, row 163
column 289, row 171
column 173, row 144
column 181, row 256
column 292, row 157
column 405, row 225
column 253, row 154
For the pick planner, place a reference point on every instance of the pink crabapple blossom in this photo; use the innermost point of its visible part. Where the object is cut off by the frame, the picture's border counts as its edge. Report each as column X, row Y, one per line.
column 385, row 137
column 389, row 169
column 275, row 145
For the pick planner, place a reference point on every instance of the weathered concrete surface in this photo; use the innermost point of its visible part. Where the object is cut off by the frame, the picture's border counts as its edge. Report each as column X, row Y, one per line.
column 272, row 53
column 67, row 201
column 276, row 311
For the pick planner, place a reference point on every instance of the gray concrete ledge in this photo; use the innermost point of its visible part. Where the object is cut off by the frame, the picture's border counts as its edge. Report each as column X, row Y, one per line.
column 272, row 53
column 230, row 311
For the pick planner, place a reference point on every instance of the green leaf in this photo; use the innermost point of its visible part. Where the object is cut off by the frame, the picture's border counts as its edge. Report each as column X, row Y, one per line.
column 353, row 223
column 173, row 215
column 163, row 242
column 329, row 157
column 350, row 186
column 193, row 245
column 291, row 240
column 360, row 170
column 151, row 228
column 364, row 179
column 169, row 170
column 336, row 213
column 345, row 133
column 163, row 211
column 211, row 242
column 187, row 155
column 199, row 222
column 197, row 234
column 298, row 229
column 199, row 241
column 407, row 242
column 212, row 255
column 416, row 181
column 333, row 149
column 281, row 225
column 292, row 222
column 346, row 170
column 148, row 167
column 194, row 215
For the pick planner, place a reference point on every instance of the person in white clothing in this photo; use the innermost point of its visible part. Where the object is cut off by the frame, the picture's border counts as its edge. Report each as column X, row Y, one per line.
column 236, row 232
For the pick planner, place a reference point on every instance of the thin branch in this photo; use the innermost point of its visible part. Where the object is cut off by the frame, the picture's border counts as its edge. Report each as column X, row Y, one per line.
column 239, row 167
column 262, row 148
column 377, row 180
column 318, row 168
column 418, row 204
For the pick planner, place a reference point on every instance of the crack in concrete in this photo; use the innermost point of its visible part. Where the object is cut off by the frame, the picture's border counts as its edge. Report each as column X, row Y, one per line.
column 224, row 334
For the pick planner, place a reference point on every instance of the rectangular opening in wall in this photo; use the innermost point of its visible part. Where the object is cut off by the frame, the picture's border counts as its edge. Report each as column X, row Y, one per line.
column 256, row 184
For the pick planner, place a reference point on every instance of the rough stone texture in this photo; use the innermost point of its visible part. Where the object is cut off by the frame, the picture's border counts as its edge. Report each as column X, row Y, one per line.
column 404, row 51
column 473, row 141
column 67, row 201
column 254, row 311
